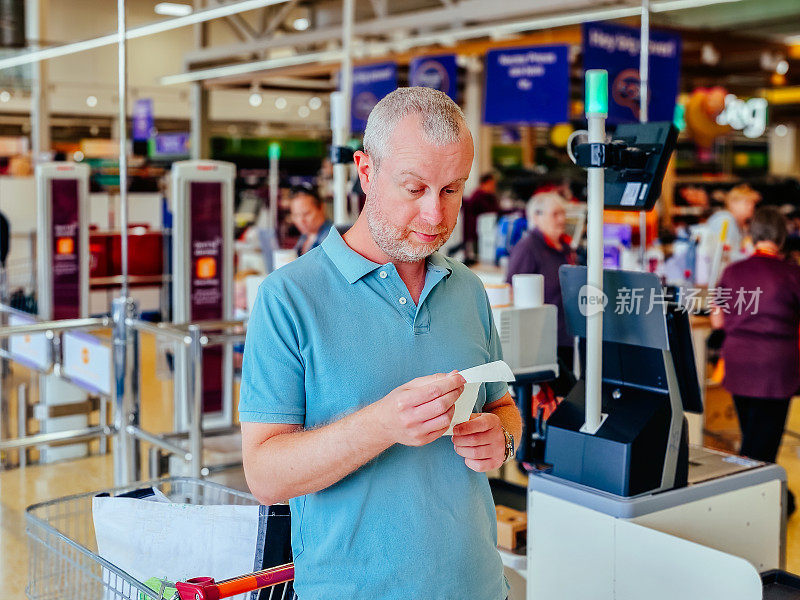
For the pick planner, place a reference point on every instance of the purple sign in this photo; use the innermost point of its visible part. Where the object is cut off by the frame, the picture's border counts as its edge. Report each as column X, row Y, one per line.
column 370, row 84
column 172, row 144
column 437, row 72
column 616, row 49
column 142, row 119
column 65, row 240
column 527, row 85
column 205, row 290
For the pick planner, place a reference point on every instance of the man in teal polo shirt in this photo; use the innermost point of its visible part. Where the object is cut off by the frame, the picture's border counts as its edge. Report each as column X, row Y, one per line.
column 350, row 378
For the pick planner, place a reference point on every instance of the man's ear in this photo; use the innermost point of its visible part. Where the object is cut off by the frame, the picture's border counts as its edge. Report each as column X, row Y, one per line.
column 364, row 168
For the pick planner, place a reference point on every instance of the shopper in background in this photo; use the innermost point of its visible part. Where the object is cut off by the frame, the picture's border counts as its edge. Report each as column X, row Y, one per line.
column 740, row 203
column 543, row 250
column 483, row 200
column 383, row 504
column 308, row 215
column 4, row 239
column 758, row 306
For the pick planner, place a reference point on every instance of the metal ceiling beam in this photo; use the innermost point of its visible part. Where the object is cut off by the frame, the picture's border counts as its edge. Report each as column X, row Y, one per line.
column 278, row 19
column 380, row 7
column 194, row 18
column 466, row 10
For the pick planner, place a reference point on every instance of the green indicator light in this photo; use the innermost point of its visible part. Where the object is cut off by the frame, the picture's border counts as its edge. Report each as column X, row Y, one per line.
column 274, row 150
column 596, row 92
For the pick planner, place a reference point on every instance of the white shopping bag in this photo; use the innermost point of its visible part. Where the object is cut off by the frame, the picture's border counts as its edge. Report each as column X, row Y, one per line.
column 172, row 541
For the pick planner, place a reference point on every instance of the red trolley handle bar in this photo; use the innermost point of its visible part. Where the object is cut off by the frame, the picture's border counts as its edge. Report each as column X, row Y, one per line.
column 205, row 588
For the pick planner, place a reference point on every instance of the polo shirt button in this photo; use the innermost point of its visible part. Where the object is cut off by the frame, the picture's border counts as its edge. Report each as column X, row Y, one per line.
column 402, row 300
column 383, row 275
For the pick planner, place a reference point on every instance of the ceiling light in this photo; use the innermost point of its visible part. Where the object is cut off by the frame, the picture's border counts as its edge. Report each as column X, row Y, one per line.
column 301, row 24
column 781, row 130
column 304, row 111
column 782, row 67
column 315, row 103
column 5, row 96
column 173, row 9
column 91, row 101
column 280, row 102
column 255, row 99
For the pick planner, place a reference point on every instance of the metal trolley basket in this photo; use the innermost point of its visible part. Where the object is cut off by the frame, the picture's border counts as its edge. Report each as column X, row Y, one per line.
column 64, row 564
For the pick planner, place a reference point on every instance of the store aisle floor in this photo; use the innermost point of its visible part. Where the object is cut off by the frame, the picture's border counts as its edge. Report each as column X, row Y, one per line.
column 20, row 488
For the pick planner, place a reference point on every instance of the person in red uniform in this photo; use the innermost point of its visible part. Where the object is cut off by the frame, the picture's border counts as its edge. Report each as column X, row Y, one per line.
column 757, row 304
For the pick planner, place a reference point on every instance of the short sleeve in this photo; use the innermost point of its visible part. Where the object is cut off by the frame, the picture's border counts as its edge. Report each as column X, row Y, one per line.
column 495, row 389
column 273, row 373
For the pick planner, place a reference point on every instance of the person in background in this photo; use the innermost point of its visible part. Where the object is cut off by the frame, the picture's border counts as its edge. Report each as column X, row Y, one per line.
column 483, row 200
column 308, row 214
column 740, row 203
column 757, row 304
column 4, row 239
column 543, row 250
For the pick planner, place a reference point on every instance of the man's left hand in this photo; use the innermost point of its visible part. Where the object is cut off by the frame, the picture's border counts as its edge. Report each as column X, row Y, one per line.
column 481, row 442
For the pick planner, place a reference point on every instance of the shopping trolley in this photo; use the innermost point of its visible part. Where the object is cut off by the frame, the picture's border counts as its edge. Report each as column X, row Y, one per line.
column 63, row 563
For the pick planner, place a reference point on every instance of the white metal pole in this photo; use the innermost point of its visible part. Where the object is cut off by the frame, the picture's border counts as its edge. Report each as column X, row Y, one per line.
column 644, row 93
column 274, row 182
column 341, row 129
column 123, row 141
column 596, row 112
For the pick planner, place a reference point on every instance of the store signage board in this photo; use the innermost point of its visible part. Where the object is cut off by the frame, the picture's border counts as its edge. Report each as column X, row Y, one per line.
column 527, row 85
column 206, row 291
column 66, row 250
column 171, row 144
column 142, row 119
column 370, row 84
column 615, row 48
column 30, row 349
column 747, row 116
column 437, row 72
column 87, row 362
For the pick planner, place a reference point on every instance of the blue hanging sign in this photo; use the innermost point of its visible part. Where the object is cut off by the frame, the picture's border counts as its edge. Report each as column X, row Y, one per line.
column 615, row 48
column 370, row 84
column 527, row 85
column 437, row 72
column 142, row 119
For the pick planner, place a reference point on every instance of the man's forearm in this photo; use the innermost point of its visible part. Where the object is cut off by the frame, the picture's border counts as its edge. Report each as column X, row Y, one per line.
column 507, row 411
column 307, row 461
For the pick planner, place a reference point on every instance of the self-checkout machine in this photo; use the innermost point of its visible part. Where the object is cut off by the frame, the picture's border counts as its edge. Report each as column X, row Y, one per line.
column 621, row 507
column 202, row 291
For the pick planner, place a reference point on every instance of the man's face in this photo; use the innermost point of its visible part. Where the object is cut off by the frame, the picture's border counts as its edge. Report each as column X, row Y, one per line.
column 553, row 220
column 306, row 215
column 414, row 197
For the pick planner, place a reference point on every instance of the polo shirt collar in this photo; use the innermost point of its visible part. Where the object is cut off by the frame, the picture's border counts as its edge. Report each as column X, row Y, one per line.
column 349, row 262
column 354, row 266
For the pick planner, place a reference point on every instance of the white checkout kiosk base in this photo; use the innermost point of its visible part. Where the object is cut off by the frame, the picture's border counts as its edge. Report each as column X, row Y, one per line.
column 709, row 540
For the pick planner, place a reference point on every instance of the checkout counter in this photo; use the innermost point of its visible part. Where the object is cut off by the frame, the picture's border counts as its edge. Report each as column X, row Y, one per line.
column 632, row 511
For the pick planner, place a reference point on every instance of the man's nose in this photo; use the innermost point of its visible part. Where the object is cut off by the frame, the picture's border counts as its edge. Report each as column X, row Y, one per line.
column 431, row 210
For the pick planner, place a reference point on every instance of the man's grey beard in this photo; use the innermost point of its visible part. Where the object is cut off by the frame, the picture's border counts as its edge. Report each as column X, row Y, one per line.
column 393, row 240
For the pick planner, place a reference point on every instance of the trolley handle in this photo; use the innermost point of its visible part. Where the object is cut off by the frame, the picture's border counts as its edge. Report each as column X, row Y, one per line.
column 205, row 588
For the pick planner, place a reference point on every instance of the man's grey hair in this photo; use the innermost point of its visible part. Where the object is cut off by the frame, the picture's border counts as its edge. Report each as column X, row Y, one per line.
column 538, row 204
column 443, row 122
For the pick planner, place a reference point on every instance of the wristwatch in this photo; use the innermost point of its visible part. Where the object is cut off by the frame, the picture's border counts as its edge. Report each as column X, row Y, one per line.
column 509, row 445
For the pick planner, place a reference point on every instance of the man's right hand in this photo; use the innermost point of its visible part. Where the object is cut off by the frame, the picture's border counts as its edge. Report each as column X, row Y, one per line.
column 421, row 410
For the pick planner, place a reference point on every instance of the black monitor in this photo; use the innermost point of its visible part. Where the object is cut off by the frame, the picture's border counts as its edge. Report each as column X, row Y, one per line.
column 633, row 344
